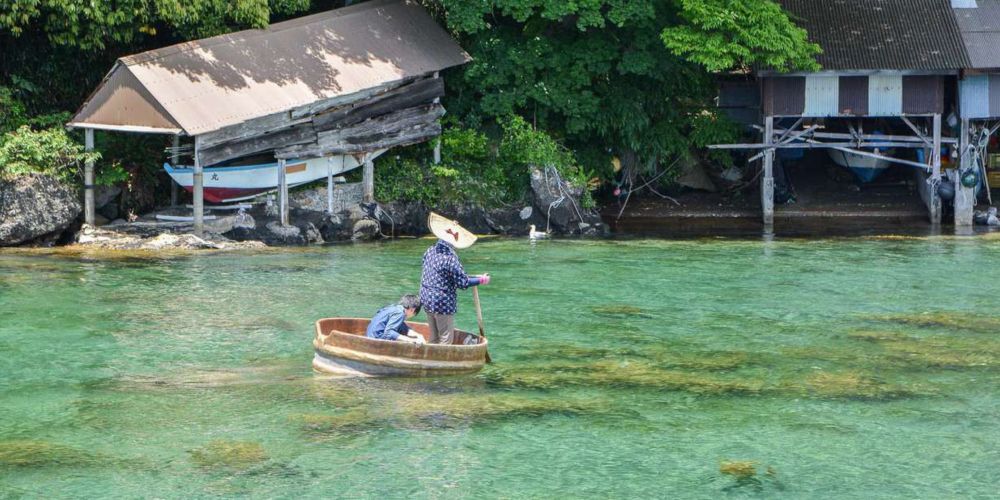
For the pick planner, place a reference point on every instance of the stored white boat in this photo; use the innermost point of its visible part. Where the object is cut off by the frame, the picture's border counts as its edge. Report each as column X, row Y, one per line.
column 223, row 184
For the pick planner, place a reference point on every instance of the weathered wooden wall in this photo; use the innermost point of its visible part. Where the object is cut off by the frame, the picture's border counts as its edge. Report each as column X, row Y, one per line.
column 397, row 114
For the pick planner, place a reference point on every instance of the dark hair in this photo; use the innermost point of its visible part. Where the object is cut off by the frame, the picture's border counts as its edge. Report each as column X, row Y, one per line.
column 410, row 301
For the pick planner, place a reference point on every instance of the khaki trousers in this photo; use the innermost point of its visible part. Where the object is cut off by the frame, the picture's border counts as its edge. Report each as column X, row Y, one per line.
column 442, row 328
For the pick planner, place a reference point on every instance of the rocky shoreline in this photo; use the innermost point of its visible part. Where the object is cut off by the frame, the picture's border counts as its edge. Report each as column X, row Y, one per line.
column 38, row 211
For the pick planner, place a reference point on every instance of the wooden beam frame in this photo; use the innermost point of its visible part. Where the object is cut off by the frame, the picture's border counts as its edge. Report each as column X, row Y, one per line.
column 965, row 197
column 767, row 182
column 175, row 157
column 89, row 210
column 198, row 190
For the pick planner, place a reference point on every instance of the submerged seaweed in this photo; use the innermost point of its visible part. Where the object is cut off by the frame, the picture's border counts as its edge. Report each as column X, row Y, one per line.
column 238, row 455
column 626, row 373
column 620, row 311
column 951, row 320
column 853, row 385
column 37, row 453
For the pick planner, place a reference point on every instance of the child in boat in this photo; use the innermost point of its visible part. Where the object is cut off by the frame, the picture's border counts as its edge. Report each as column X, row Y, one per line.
column 389, row 322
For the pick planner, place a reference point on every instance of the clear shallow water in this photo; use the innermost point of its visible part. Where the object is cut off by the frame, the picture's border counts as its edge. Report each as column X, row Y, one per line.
column 848, row 367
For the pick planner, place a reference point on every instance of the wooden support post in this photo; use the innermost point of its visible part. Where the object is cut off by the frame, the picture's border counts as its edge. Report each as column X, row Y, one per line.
column 282, row 193
column 198, row 202
column 369, row 181
column 767, row 181
column 88, row 179
column 965, row 197
column 329, row 184
column 935, row 198
column 437, row 143
column 175, row 156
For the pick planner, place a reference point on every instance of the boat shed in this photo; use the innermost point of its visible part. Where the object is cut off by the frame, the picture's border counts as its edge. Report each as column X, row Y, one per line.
column 355, row 80
column 909, row 61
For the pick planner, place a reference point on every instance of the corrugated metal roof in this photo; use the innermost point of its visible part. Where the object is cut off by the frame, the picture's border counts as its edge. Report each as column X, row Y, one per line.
column 209, row 84
column 980, row 29
column 882, row 34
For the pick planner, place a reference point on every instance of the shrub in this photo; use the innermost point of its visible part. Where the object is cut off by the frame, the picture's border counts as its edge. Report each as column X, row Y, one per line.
column 474, row 168
column 50, row 151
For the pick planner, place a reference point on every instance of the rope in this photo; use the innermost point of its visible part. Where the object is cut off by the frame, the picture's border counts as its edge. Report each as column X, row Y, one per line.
column 563, row 196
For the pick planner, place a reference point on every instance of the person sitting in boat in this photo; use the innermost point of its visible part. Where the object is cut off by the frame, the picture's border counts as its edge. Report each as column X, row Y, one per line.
column 389, row 322
column 443, row 274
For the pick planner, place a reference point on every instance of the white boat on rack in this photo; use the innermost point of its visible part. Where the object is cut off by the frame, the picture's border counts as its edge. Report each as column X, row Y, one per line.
column 228, row 183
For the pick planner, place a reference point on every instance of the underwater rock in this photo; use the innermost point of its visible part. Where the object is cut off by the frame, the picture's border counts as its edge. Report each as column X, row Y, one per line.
column 620, row 311
column 852, row 385
column 228, row 454
column 36, row 453
column 946, row 319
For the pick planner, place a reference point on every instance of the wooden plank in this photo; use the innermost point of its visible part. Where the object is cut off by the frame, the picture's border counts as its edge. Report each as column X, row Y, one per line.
column 250, row 128
column 226, row 151
column 385, row 129
column 415, row 135
column 300, row 167
column 340, row 100
column 414, row 94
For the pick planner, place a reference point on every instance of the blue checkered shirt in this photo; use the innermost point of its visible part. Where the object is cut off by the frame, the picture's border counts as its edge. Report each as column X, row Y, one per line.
column 442, row 275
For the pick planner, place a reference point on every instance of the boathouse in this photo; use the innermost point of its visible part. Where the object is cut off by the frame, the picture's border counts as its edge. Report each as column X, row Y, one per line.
column 351, row 81
column 913, row 66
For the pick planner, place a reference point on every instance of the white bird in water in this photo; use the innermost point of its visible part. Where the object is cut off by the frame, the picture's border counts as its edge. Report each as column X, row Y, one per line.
column 536, row 235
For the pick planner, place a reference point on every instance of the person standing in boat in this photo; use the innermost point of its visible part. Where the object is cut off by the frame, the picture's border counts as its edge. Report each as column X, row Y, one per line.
column 389, row 322
column 443, row 274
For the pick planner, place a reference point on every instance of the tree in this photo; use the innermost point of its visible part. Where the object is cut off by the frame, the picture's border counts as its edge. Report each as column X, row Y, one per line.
column 729, row 34
column 613, row 74
column 90, row 25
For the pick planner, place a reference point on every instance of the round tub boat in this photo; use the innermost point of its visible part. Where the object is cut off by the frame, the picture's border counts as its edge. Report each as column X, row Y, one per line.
column 342, row 348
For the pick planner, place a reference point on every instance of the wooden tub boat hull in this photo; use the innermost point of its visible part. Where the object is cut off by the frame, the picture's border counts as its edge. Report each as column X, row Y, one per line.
column 341, row 348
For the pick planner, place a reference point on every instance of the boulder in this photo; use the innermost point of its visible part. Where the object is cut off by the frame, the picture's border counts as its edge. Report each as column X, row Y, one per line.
column 345, row 196
column 558, row 202
column 34, row 206
column 693, row 175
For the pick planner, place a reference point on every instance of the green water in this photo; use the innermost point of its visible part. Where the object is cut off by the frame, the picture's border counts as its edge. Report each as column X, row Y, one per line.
column 847, row 367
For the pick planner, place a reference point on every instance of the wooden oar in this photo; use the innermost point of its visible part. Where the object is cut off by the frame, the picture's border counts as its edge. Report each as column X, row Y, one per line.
column 479, row 317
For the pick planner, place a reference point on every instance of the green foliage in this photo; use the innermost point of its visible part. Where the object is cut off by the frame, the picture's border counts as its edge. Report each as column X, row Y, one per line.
column 96, row 25
column 51, row 152
column 738, row 34
column 474, row 168
column 12, row 111
column 710, row 127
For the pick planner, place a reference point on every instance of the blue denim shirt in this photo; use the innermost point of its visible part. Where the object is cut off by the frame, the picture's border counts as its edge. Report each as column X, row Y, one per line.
column 388, row 323
column 442, row 275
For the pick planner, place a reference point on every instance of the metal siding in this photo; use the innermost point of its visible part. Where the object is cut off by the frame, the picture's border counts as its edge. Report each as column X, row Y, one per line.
column 122, row 101
column 974, row 92
column 853, row 95
column 885, row 95
column 923, row 94
column 209, row 84
column 822, row 95
column 785, row 96
column 995, row 95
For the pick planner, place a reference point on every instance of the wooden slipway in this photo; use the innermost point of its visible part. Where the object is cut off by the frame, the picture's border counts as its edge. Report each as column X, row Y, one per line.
column 342, row 348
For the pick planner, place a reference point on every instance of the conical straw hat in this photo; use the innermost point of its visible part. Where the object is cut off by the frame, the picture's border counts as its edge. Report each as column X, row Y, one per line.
column 449, row 231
